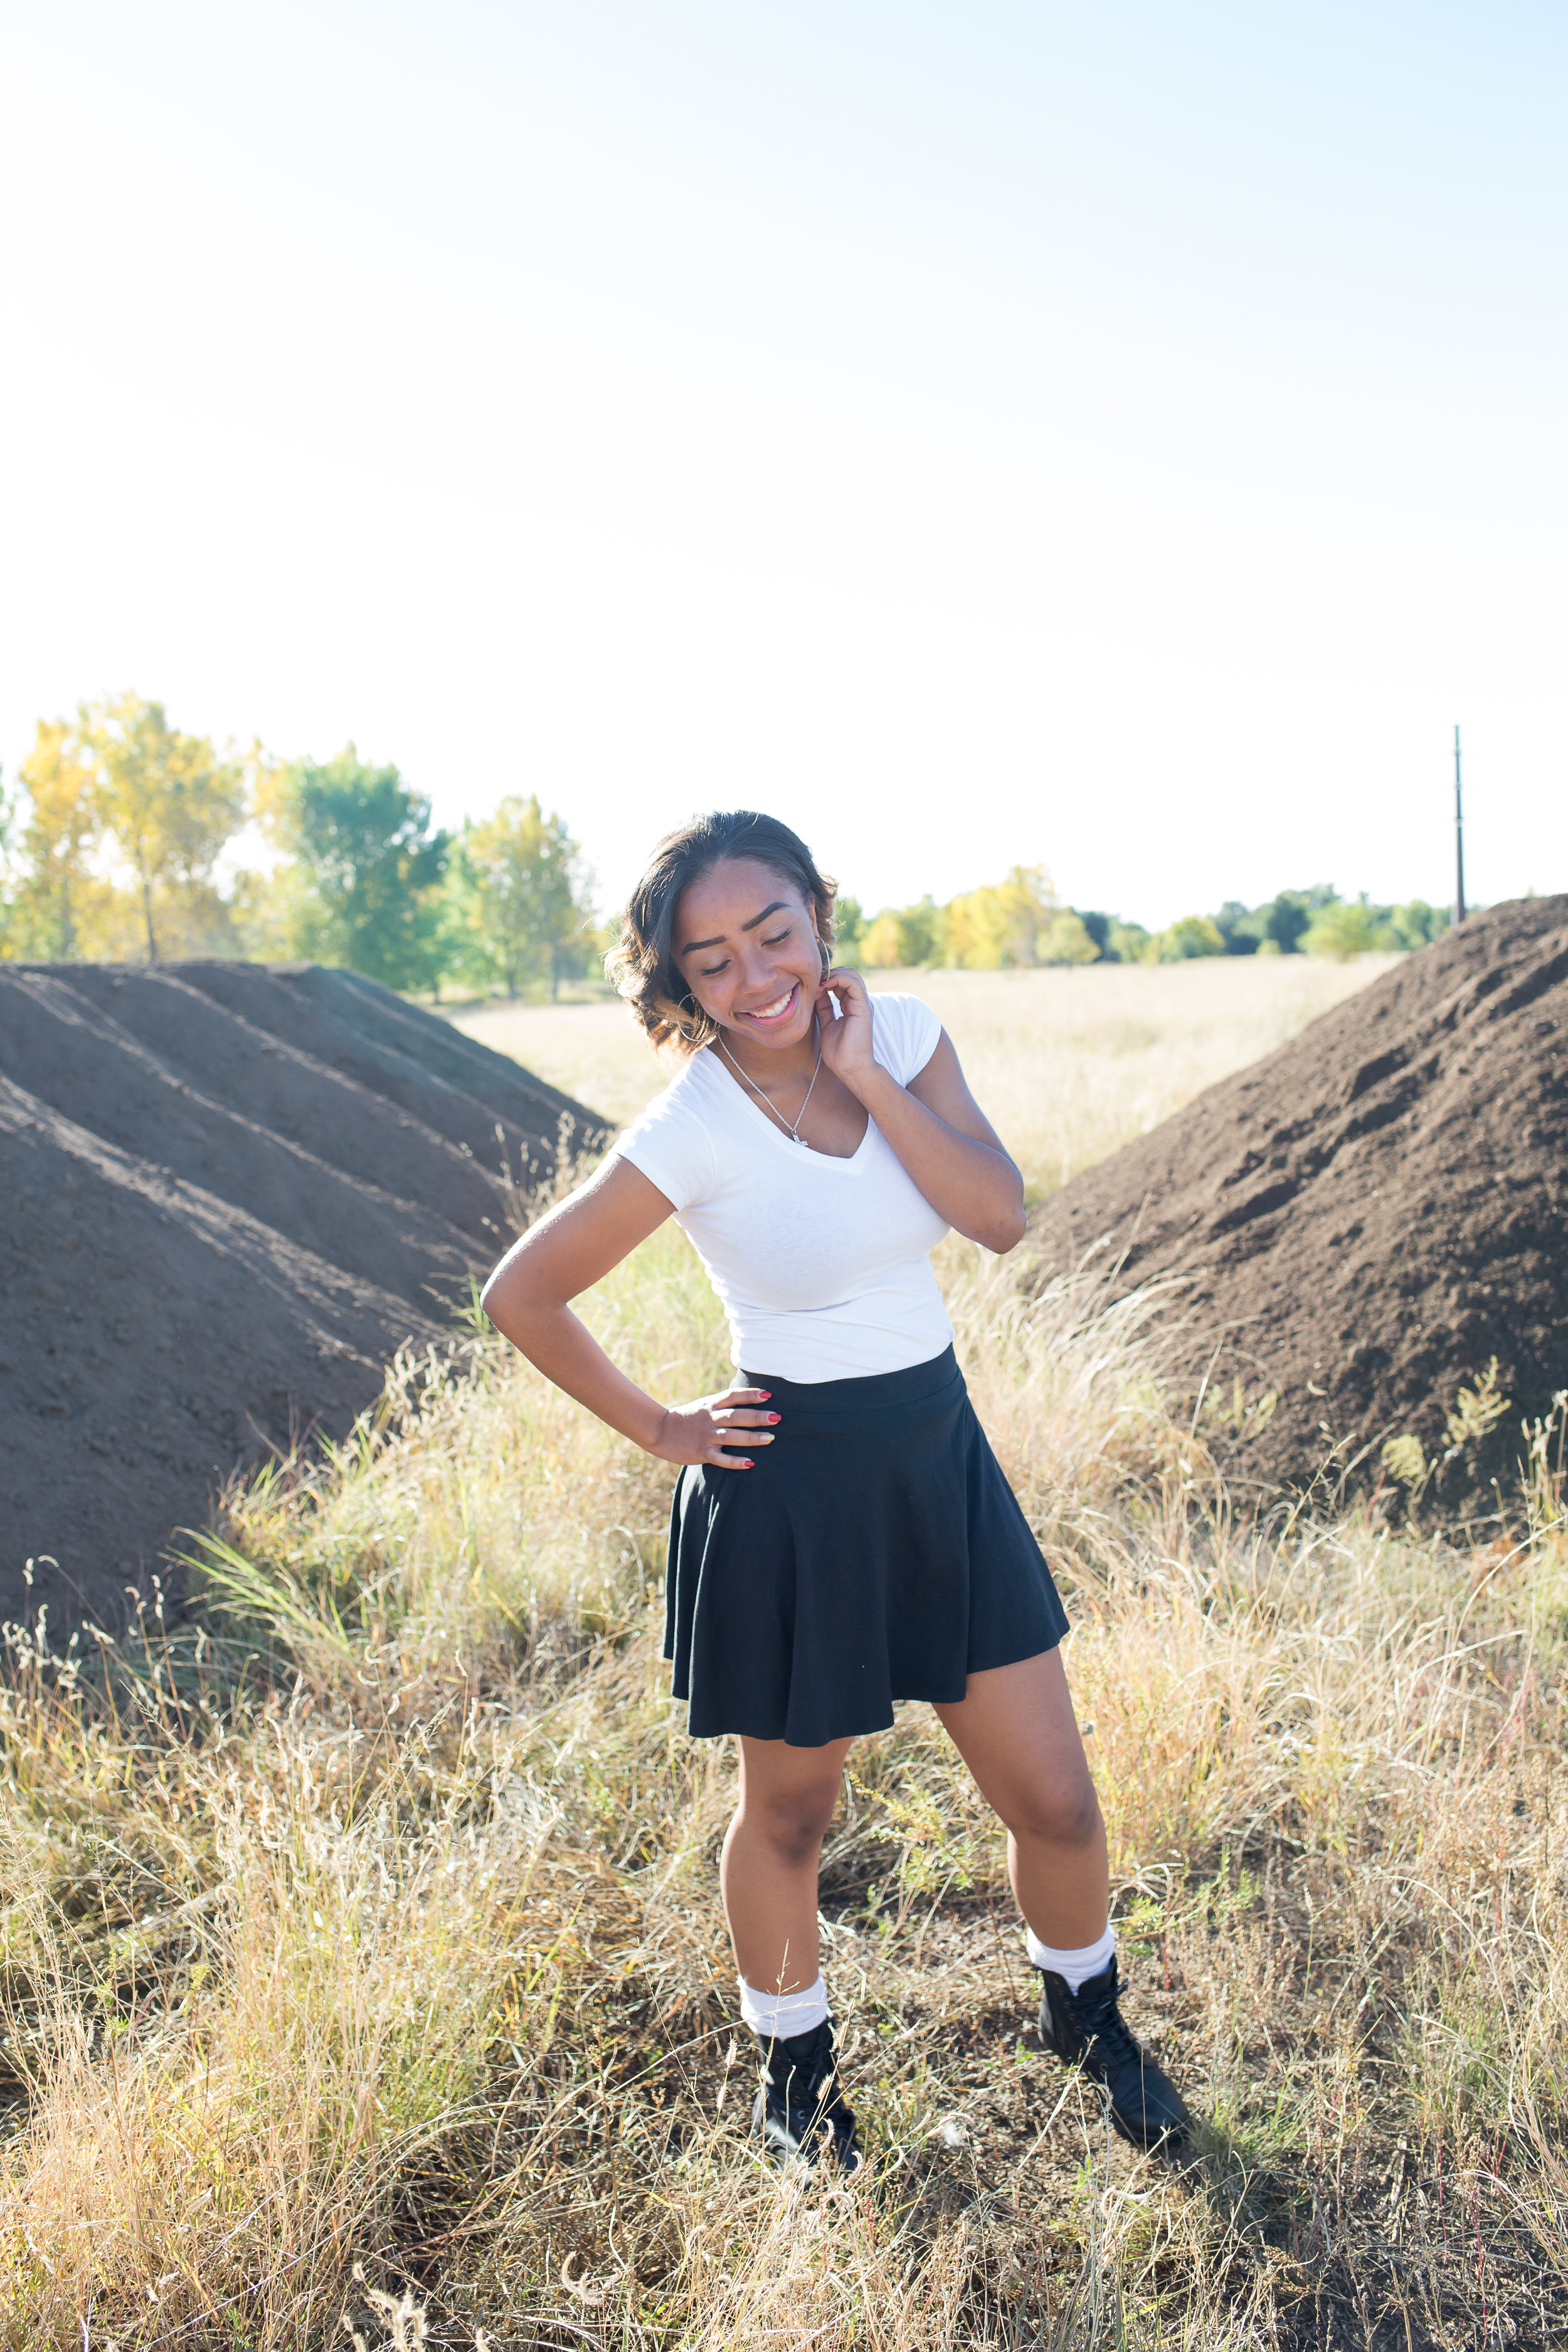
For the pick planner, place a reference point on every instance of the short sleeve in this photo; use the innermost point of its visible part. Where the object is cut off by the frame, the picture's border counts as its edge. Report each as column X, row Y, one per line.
column 669, row 1143
column 905, row 1033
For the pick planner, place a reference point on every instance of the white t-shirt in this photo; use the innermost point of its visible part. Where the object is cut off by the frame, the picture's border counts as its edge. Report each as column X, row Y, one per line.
column 823, row 1264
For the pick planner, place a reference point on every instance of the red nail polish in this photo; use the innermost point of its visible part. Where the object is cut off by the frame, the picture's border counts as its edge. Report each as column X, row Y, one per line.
column 774, row 1416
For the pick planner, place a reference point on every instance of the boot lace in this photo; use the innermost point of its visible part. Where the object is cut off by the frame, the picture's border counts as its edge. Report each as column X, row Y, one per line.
column 1108, row 2039
column 1113, row 2039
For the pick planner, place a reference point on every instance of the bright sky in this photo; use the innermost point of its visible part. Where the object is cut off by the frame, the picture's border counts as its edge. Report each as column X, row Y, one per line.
column 1125, row 438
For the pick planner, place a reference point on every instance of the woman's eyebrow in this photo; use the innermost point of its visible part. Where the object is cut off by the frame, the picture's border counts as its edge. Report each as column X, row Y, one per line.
column 693, row 946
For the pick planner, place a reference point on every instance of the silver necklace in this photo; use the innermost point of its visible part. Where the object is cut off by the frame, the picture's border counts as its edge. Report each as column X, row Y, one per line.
column 793, row 1132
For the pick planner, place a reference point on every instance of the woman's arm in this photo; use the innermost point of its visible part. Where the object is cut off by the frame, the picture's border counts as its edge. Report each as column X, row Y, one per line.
column 576, row 1244
column 947, row 1145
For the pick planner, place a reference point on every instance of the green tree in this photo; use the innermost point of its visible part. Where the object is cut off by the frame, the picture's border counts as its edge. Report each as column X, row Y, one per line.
column 517, row 900
column 1128, row 942
column 169, row 803
column 1238, row 927
column 1098, row 926
column 1288, row 915
column 1067, row 939
column 850, row 928
column 1417, row 925
column 1351, row 926
column 372, row 869
column 1193, row 935
column 923, row 932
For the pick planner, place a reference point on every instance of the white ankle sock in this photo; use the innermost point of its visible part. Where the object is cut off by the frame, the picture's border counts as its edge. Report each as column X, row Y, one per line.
column 1074, row 1967
column 779, row 2017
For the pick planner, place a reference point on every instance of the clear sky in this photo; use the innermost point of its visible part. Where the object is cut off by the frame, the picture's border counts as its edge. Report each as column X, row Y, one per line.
column 1125, row 438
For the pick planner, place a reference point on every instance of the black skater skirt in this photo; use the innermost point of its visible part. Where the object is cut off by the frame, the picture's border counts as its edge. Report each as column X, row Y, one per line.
column 875, row 1553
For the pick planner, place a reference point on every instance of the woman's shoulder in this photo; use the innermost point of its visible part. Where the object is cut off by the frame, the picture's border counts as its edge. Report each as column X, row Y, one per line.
column 905, row 1033
column 681, row 1096
column 670, row 1140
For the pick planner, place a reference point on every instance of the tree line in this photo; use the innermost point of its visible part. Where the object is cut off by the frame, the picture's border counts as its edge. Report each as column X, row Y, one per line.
column 1021, row 922
column 128, row 837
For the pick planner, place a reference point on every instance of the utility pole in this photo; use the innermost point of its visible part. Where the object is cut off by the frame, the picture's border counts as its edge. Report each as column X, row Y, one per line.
column 1458, row 836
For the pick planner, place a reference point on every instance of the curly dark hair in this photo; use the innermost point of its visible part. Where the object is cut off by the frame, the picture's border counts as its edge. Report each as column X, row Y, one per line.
column 642, row 963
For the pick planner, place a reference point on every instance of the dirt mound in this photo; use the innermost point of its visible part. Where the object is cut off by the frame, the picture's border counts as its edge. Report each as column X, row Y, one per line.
column 231, row 1192
column 1371, row 1214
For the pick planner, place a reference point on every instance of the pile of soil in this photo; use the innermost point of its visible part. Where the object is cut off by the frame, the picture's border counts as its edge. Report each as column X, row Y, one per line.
column 231, row 1192
column 1370, row 1216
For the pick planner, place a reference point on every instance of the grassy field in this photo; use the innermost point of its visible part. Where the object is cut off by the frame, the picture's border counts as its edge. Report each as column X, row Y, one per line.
column 1068, row 1065
column 364, row 1972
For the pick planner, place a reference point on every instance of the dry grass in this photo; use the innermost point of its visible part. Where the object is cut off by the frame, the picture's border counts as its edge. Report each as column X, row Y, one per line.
column 371, row 1919
column 1068, row 1065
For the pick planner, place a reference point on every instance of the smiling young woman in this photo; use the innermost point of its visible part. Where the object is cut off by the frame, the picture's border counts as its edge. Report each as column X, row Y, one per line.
column 841, row 1535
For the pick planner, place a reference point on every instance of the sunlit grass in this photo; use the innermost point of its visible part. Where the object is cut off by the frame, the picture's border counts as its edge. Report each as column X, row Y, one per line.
column 372, row 1918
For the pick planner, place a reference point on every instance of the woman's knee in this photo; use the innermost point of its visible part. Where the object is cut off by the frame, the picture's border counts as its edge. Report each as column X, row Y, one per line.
column 1065, row 1814
column 794, row 1822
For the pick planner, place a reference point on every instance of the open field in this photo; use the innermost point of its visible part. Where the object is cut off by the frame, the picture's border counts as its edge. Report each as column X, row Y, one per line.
column 1068, row 1065
column 372, row 1920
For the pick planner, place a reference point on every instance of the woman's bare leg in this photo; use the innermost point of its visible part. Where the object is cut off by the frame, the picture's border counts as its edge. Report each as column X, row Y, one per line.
column 771, row 1851
column 1015, row 1729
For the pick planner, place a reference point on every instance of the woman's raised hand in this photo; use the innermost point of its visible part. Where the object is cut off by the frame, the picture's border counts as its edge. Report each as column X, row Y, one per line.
column 845, row 1040
column 700, row 1432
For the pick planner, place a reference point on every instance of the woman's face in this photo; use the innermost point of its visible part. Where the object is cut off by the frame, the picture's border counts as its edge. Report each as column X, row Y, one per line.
column 745, row 944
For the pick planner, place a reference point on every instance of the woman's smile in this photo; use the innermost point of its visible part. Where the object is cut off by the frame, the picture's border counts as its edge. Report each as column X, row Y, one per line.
column 776, row 1015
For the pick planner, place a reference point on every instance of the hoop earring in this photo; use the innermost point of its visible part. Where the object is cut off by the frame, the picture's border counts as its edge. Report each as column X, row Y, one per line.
column 827, row 958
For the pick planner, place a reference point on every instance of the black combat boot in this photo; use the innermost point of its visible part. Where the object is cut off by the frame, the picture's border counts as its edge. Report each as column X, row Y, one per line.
column 801, row 2116
column 1087, row 2029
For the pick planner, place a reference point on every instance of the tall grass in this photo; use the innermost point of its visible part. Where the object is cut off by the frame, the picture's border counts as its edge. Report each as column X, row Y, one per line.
column 372, row 1921
column 363, row 1971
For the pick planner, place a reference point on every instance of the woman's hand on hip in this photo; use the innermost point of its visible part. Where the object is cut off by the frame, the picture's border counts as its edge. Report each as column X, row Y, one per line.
column 847, row 1038
column 700, row 1433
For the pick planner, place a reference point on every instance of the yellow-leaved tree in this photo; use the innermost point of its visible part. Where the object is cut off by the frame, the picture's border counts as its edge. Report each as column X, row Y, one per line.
column 1004, row 925
column 902, row 939
column 1000, row 926
column 62, row 824
column 170, row 804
